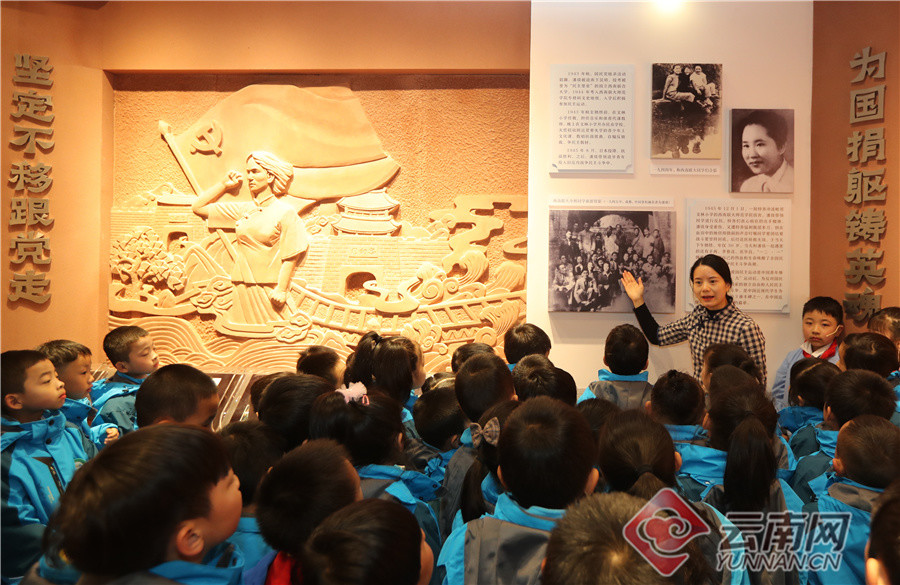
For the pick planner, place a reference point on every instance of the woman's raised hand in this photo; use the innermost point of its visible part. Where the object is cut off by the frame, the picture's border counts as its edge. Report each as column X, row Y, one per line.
column 233, row 179
column 633, row 288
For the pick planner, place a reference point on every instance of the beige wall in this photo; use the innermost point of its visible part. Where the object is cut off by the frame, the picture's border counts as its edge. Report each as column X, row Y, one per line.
column 842, row 29
column 86, row 41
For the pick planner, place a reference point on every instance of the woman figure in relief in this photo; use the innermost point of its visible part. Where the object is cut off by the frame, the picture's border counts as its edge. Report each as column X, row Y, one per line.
column 271, row 237
column 715, row 318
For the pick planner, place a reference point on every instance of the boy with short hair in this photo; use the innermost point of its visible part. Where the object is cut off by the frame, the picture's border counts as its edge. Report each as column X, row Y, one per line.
column 677, row 402
column 72, row 361
column 465, row 351
column 535, row 375
column 823, row 321
column 40, row 454
column 176, row 393
column 876, row 353
column 439, row 421
column 303, row 488
column 849, row 394
column 866, row 461
column 525, row 339
column 130, row 350
column 625, row 382
column 253, row 448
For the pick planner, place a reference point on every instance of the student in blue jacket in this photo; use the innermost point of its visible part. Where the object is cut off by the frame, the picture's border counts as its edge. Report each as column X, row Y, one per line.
column 131, row 351
column 866, row 462
column 546, row 461
column 677, row 401
column 806, row 394
column 162, row 501
column 883, row 554
column 40, row 454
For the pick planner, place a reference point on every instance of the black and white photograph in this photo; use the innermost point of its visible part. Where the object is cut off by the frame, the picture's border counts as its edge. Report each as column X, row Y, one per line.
column 686, row 120
column 590, row 248
column 762, row 151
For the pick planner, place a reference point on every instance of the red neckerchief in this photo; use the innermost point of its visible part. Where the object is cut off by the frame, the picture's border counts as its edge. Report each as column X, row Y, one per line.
column 829, row 353
column 281, row 569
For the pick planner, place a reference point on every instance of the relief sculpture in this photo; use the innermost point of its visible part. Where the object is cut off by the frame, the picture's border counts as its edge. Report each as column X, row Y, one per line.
column 291, row 238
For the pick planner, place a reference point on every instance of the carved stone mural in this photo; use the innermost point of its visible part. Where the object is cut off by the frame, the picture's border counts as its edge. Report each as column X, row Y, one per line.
column 292, row 233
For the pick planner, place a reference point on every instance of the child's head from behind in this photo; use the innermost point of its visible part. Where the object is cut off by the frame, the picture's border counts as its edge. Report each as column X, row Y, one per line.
column 131, row 351
column 882, row 553
column 626, row 350
column 177, row 393
column 286, row 404
column 258, row 387
column 808, row 379
column 465, row 351
column 72, row 361
column 370, row 429
column 869, row 351
column 484, row 380
column 535, row 375
column 856, row 392
column 252, row 449
column 438, row 418
column 637, row 454
column 729, row 377
column 588, row 546
column 743, row 424
column 823, row 321
column 303, row 488
column 322, row 361
column 887, row 322
column 727, row 354
column 371, row 542
column 398, row 367
column 677, row 399
column 29, row 385
column 868, row 451
column 546, row 454
column 525, row 339
column 168, row 487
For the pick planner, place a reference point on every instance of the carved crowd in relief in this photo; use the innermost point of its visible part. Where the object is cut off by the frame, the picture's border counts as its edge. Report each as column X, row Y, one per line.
column 251, row 248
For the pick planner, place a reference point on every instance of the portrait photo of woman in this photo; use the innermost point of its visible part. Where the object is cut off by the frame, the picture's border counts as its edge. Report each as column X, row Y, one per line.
column 762, row 144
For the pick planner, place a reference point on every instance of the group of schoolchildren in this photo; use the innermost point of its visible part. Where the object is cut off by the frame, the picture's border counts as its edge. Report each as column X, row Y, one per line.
column 369, row 471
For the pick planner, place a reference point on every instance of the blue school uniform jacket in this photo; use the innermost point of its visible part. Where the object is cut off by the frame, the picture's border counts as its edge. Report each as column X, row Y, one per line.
column 119, row 409
column 814, row 465
column 223, row 565
column 454, row 476
column 249, row 541
column 83, row 415
column 38, row 461
column 436, row 467
column 626, row 392
column 504, row 547
column 491, row 489
column 845, row 496
column 103, row 390
column 694, row 434
column 794, row 418
column 702, row 468
column 808, row 439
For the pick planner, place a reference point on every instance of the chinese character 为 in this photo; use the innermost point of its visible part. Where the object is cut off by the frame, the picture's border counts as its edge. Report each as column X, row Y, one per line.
column 29, row 138
column 864, row 186
column 869, row 65
column 828, row 530
column 30, row 246
column 33, row 70
column 30, row 211
column 862, row 265
column 32, row 106
column 33, row 177
column 867, row 224
column 867, row 104
column 861, row 306
column 872, row 143
column 30, row 286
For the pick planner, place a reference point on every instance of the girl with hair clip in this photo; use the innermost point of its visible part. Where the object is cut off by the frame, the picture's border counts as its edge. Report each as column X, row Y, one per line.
column 369, row 427
column 715, row 318
column 742, row 425
column 371, row 542
column 638, row 456
column 481, row 486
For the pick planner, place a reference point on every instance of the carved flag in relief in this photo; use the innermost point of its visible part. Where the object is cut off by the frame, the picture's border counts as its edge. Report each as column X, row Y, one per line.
column 322, row 131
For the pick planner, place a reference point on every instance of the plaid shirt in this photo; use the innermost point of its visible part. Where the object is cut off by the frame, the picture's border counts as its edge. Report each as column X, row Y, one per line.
column 702, row 328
